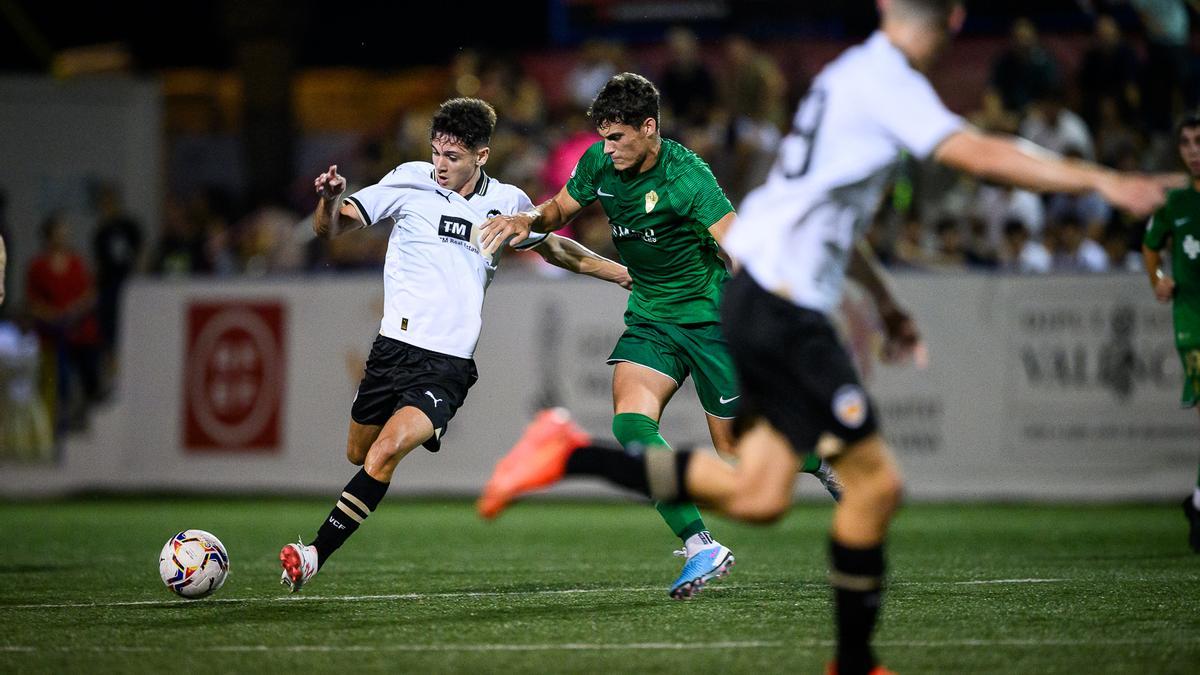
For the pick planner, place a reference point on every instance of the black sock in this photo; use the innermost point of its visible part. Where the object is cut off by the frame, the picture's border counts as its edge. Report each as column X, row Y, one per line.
column 361, row 496
column 856, row 575
column 658, row 474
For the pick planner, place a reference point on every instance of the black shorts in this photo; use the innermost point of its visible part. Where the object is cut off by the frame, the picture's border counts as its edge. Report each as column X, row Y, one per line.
column 793, row 368
column 398, row 374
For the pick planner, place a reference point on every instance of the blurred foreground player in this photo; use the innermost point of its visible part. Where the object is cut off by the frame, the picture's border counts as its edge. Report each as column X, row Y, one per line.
column 435, row 275
column 1178, row 223
column 797, row 238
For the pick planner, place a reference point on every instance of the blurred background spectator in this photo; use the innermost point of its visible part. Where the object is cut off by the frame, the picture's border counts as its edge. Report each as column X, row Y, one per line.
column 61, row 293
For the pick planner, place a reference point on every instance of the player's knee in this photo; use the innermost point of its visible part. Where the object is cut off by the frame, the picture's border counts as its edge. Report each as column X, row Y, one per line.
column 356, row 455
column 886, row 489
column 759, row 507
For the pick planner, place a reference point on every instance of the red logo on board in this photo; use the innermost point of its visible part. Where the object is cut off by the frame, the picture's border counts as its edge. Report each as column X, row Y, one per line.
column 233, row 376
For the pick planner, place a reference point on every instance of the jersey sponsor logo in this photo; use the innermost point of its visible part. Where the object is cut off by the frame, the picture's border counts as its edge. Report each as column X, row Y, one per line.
column 436, row 400
column 493, row 213
column 445, row 196
column 601, row 193
column 724, row 400
column 455, row 228
column 850, row 406
column 651, row 200
column 1191, row 247
column 620, row 233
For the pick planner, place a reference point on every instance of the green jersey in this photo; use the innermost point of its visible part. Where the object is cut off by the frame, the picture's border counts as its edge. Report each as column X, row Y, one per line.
column 660, row 220
column 1179, row 220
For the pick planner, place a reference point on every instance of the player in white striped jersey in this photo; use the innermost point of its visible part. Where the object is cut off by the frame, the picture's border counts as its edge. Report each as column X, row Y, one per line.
column 434, row 278
column 796, row 239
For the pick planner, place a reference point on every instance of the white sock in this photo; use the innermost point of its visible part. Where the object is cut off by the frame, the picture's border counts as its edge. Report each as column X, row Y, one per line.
column 1196, row 498
column 699, row 542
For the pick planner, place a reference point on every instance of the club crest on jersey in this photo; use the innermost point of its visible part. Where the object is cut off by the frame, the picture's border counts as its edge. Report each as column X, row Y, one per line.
column 850, row 406
column 651, row 200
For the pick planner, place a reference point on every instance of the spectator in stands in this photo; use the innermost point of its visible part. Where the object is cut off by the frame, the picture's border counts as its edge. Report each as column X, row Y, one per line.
column 62, row 299
column 949, row 253
column 754, row 94
column 1050, row 124
column 1109, row 72
column 598, row 61
column 25, row 430
column 689, row 90
column 5, row 244
column 1021, row 254
column 180, row 250
column 993, row 116
column 910, row 249
column 117, row 249
column 1076, row 252
column 3, row 267
column 1122, row 246
column 979, row 250
column 1114, row 137
column 998, row 204
column 271, row 241
column 1167, row 80
column 1089, row 207
column 1024, row 69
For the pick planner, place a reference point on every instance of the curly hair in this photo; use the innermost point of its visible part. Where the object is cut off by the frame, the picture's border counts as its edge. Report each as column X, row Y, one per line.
column 468, row 120
column 1190, row 120
column 627, row 98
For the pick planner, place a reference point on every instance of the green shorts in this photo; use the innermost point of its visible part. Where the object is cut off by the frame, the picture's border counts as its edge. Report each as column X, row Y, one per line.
column 677, row 351
column 1191, row 377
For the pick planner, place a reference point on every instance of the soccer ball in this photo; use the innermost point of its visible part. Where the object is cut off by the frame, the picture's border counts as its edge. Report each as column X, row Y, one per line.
column 193, row 564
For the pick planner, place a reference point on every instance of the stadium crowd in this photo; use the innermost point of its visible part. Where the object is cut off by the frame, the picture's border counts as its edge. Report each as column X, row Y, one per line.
column 729, row 100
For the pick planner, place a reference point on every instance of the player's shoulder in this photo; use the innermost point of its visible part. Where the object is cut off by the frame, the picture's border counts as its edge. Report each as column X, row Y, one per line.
column 679, row 161
column 875, row 61
column 593, row 158
column 409, row 173
column 1179, row 195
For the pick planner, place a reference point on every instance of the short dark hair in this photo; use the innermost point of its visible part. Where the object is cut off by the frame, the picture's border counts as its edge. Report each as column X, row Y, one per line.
column 627, row 98
column 1190, row 120
column 470, row 121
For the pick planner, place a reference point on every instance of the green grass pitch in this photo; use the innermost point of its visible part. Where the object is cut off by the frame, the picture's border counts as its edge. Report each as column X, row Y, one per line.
column 562, row 587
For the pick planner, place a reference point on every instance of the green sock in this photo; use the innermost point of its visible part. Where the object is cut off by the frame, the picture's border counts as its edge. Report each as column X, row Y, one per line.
column 635, row 429
column 811, row 464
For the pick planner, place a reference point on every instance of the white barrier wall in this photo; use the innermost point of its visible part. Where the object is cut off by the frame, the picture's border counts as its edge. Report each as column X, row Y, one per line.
column 1052, row 388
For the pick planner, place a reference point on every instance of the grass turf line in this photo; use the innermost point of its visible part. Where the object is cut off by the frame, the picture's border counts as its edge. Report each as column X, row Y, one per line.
column 563, row 587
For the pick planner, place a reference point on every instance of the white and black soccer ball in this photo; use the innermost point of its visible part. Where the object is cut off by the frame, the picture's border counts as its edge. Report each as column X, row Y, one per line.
column 193, row 564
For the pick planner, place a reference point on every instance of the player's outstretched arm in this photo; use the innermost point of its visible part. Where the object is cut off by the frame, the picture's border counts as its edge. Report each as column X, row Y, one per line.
column 1010, row 161
column 546, row 217
column 1163, row 285
column 903, row 338
column 571, row 255
column 330, row 219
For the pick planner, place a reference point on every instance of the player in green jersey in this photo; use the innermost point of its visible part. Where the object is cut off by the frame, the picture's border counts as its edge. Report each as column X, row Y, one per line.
column 667, row 214
column 1177, row 222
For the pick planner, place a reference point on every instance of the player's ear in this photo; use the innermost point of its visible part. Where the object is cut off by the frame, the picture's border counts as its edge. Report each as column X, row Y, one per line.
column 650, row 126
column 958, row 16
column 481, row 157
